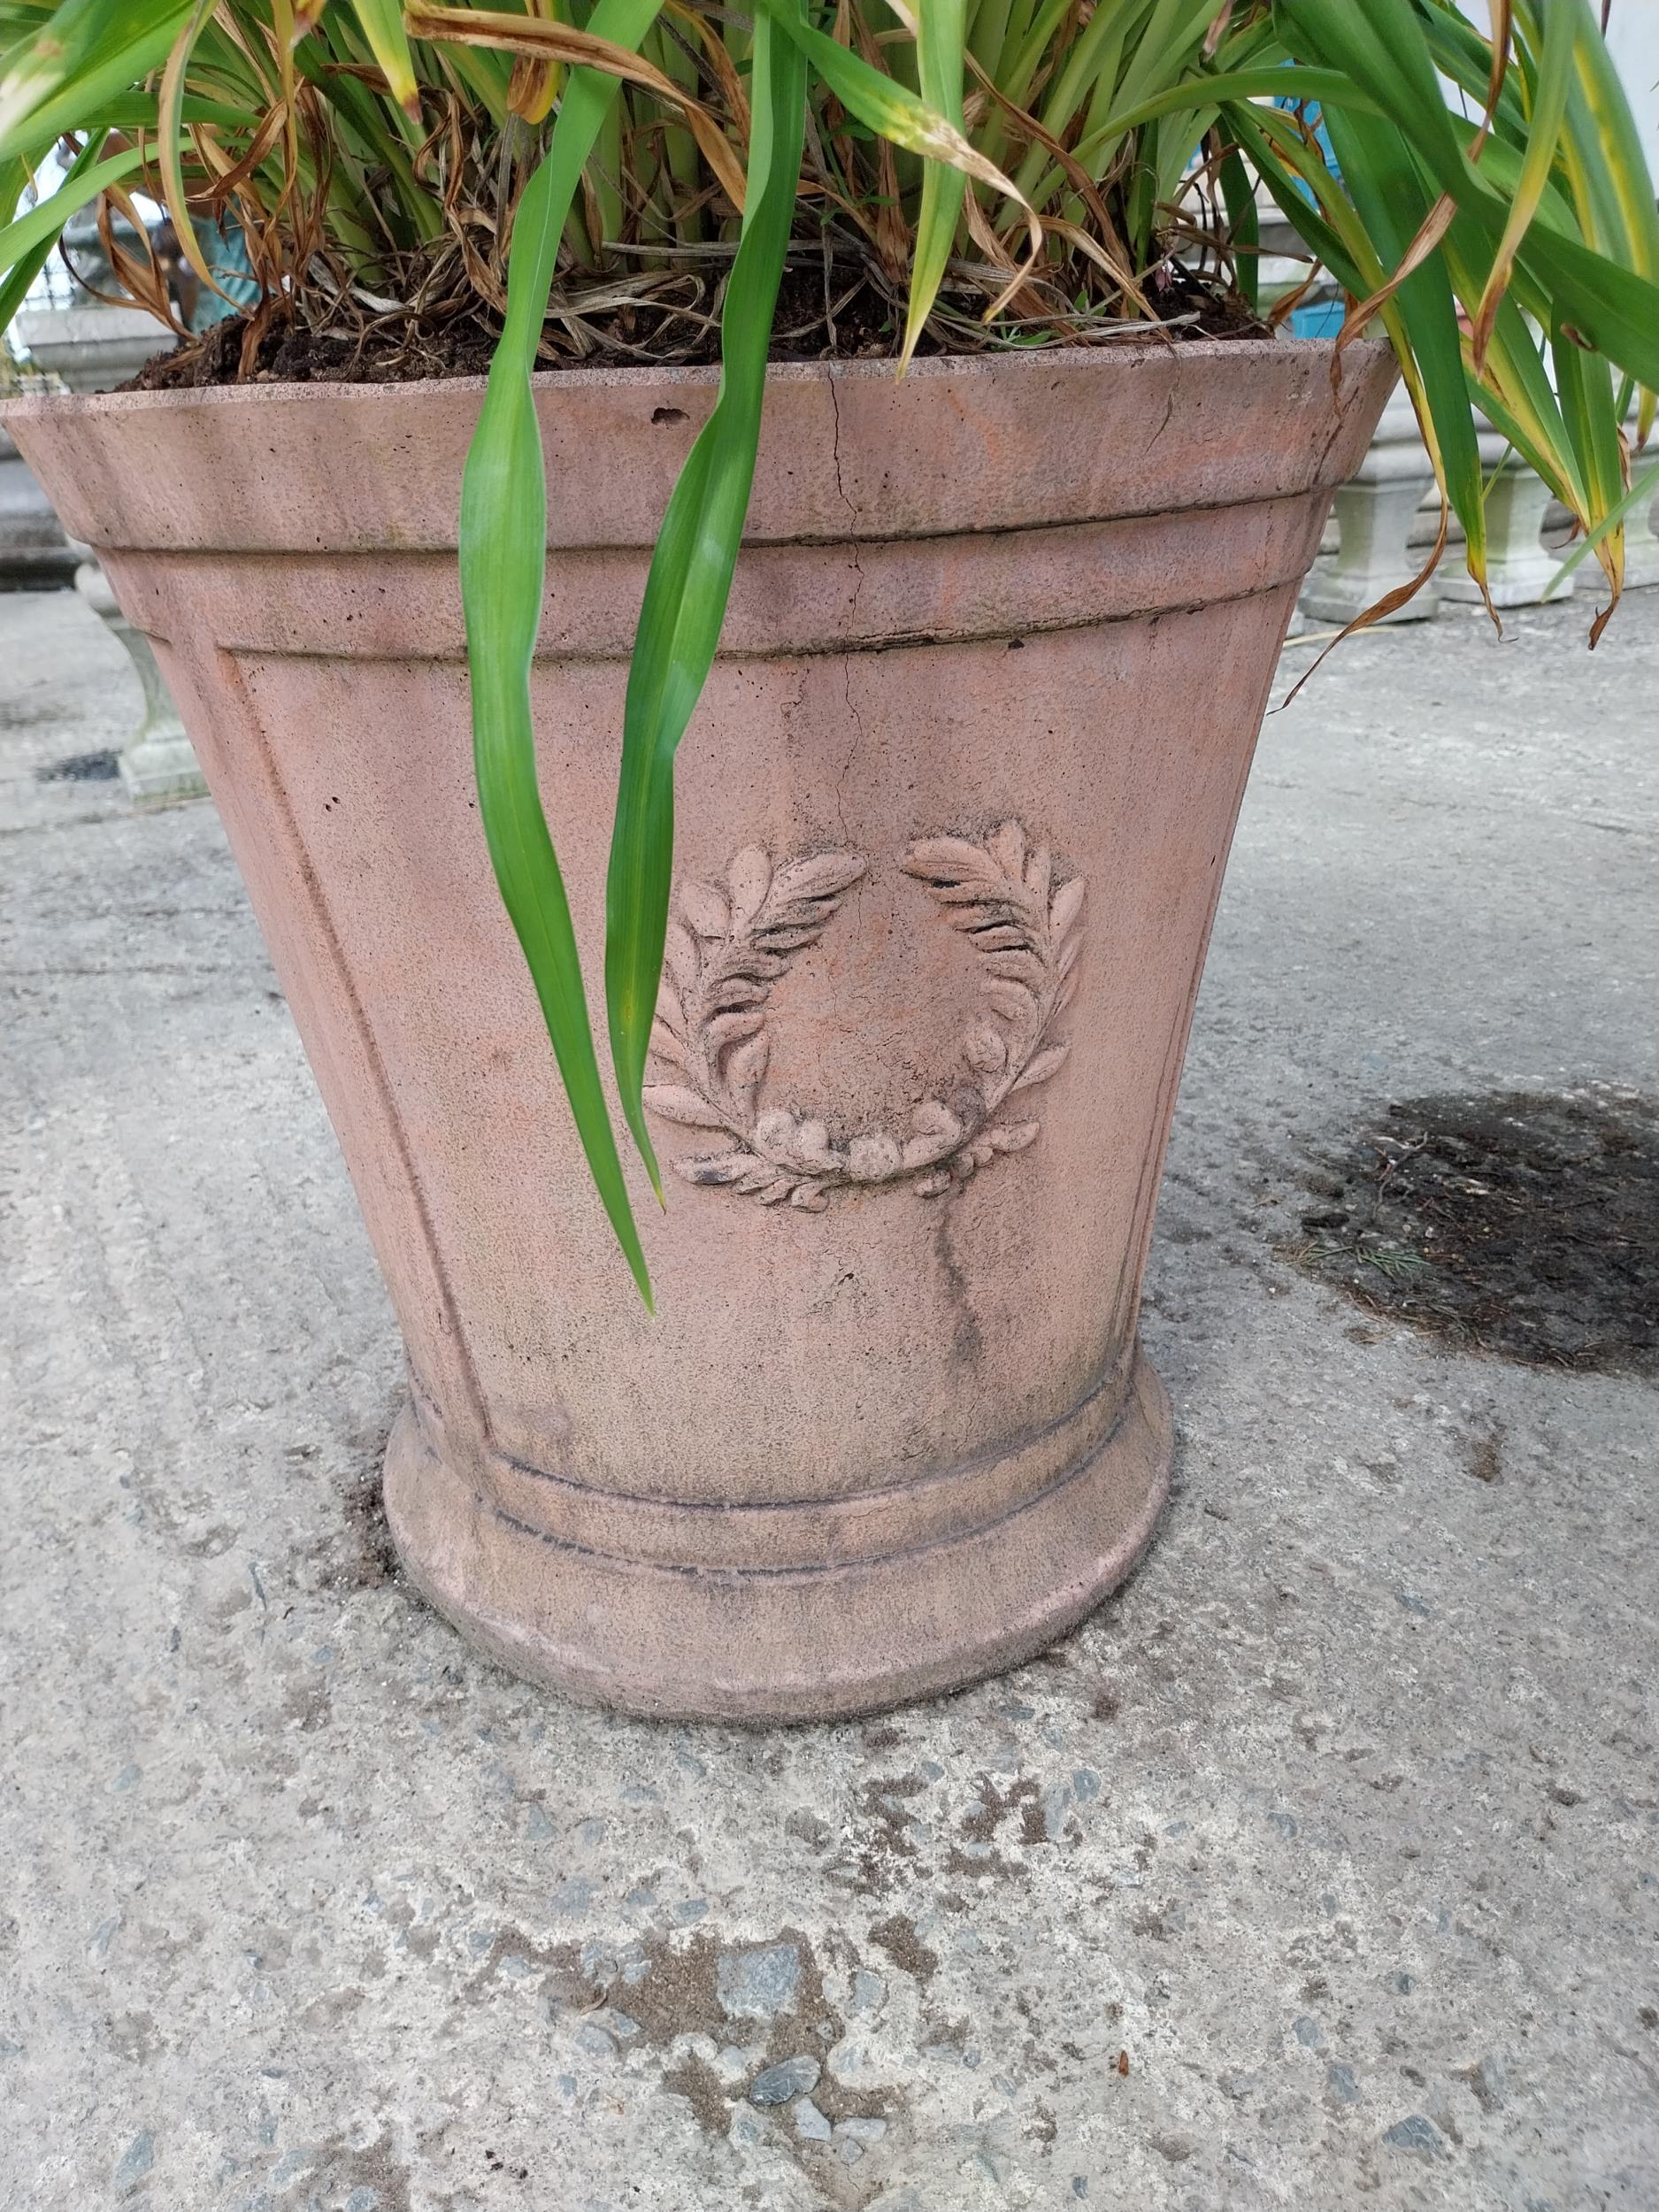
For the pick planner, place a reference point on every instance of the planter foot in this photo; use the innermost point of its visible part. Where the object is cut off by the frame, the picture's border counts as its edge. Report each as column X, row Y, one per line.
column 761, row 1646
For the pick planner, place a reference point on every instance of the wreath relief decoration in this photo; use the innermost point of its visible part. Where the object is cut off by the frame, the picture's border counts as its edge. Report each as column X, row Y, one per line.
column 731, row 943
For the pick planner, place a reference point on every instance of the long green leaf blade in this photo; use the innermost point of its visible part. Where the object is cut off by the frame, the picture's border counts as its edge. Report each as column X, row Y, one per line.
column 1641, row 489
column 1391, row 204
column 1555, row 83
column 383, row 22
column 26, row 234
column 22, row 271
column 503, row 566
column 691, row 575
column 940, row 38
column 97, row 49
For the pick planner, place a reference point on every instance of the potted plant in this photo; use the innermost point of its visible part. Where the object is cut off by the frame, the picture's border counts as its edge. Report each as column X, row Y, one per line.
column 961, row 736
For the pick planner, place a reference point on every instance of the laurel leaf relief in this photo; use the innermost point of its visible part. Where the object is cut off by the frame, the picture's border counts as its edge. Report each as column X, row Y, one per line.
column 731, row 943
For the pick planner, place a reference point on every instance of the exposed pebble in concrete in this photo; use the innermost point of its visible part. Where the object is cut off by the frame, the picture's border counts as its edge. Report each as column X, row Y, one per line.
column 809, row 2124
column 756, row 1985
column 867, row 2128
column 1416, row 2133
column 792, row 2077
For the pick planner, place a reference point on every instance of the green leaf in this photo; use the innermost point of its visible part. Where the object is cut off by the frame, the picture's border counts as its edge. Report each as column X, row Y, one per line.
column 503, row 566
column 1553, row 84
column 383, row 22
column 691, row 571
column 1612, row 308
column 1382, row 47
column 28, row 265
column 890, row 109
column 1391, row 204
column 1612, row 142
column 42, row 224
column 1274, row 83
column 940, row 36
column 167, row 113
column 1308, row 196
column 1640, row 490
column 54, row 82
column 1590, row 409
column 1244, row 223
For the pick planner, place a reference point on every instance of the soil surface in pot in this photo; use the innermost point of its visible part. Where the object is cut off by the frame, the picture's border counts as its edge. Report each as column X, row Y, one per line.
column 1521, row 1224
column 824, row 313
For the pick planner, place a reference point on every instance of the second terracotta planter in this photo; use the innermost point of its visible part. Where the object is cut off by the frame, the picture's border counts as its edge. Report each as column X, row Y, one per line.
column 953, row 817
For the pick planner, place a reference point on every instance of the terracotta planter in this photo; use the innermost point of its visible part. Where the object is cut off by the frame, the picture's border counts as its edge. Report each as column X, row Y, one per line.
column 953, row 817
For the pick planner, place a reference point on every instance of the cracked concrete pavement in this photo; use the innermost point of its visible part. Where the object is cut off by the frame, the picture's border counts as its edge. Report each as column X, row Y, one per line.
column 1320, row 1867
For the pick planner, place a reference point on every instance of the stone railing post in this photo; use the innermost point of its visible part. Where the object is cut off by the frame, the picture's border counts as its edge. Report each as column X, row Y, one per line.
column 1374, row 514
column 91, row 349
column 34, row 551
column 1642, row 540
column 159, row 764
column 1519, row 565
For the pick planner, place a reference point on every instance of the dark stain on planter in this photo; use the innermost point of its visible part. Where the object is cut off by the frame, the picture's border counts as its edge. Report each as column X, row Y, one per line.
column 1518, row 1224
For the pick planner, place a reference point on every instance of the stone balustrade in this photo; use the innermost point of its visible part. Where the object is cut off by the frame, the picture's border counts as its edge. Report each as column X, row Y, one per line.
column 1384, row 523
column 93, row 349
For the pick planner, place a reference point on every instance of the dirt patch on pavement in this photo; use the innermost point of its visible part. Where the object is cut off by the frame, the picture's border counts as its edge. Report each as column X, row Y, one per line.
column 1522, row 1225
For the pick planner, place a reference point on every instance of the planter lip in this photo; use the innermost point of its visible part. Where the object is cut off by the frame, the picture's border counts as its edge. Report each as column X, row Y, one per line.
column 1128, row 354
column 971, row 445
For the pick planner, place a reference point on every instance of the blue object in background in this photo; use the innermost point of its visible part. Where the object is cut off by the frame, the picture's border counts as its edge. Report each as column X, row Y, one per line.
column 225, row 250
column 1319, row 318
column 1310, row 109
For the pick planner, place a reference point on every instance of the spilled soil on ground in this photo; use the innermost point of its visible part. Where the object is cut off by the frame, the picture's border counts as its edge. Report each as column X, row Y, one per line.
column 1518, row 1223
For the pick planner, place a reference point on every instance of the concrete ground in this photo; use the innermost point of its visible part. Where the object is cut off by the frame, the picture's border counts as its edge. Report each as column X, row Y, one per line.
column 1321, row 1868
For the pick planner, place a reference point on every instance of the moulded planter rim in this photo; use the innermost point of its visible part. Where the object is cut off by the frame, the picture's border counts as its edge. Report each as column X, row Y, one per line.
column 692, row 376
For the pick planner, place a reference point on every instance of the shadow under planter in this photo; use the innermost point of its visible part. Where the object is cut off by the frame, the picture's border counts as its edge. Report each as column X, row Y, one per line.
column 954, row 812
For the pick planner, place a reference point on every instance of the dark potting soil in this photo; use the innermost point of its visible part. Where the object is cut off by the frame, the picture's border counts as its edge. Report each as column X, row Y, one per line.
column 866, row 326
column 1520, row 1224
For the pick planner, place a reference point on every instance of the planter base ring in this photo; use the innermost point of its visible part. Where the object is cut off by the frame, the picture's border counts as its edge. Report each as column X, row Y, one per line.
column 760, row 1646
